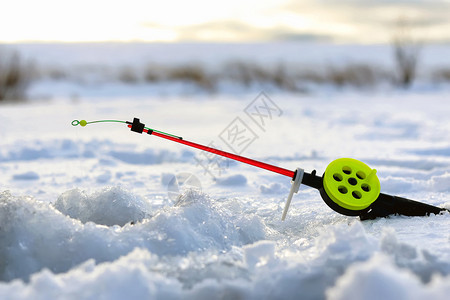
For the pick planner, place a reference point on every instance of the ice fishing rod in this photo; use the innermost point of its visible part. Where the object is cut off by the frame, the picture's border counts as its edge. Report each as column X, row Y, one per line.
column 348, row 186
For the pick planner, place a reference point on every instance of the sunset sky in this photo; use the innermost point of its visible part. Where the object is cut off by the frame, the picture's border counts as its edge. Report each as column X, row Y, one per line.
column 345, row 21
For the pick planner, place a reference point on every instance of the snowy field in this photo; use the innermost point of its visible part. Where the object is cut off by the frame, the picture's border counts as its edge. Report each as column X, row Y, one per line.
column 93, row 212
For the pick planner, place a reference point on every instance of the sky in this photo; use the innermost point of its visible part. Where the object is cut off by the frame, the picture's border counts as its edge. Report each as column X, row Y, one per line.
column 342, row 21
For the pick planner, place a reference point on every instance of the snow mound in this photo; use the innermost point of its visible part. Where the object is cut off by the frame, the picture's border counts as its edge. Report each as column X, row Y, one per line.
column 419, row 261
column 232, row 180
column 35, row 235
column 272, row 188
column 111, row 206
column 378, row 278
column 30, row 175
column 126, row 278
column 440, row 183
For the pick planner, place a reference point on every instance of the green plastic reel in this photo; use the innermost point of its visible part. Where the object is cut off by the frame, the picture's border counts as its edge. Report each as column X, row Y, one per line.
column 350, row 186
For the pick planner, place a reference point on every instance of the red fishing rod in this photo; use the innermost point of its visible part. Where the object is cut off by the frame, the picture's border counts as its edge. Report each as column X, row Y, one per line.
column 348, row 186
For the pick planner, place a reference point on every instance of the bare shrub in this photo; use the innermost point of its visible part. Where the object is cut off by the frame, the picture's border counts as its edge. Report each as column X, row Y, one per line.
column 154, row 73
column 406, row 53
column 15, row 76
column 250, row 73
column 243, row 73
column 441, row 75
column 128, row 75
column 284, row 79
column 294, row 78
column 310, row 75
column 359, row 75
column 58, row 74
column 194, row 74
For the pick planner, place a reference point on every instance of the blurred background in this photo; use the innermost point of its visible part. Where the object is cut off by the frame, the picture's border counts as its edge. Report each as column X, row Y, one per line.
column 83, row 49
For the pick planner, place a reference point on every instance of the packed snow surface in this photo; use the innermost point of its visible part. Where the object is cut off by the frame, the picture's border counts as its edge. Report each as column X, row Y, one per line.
column 104, row 213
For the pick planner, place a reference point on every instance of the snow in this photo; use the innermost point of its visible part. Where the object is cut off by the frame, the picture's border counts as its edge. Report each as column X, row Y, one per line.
column 102, row 213
column 370, row 281
column 109, row 207
column 26, row 176
column 233, row 180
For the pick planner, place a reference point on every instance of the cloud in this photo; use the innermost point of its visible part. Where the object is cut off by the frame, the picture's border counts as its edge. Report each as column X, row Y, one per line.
column 235, row 30
column 371, row 19
column 233, row 21
column 426, row 12
column 290, row 35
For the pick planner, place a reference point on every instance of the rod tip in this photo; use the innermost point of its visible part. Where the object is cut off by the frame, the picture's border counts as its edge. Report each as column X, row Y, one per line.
column 76, row 123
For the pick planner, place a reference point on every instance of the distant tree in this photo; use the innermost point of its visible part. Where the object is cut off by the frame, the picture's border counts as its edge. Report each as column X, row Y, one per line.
column 406, row 52
column 14, row 76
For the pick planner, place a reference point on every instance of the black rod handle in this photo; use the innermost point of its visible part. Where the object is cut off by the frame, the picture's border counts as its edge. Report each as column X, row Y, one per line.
column 386, row 205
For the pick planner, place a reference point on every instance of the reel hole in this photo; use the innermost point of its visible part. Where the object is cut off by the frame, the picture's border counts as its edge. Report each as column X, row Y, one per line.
column 337, row 177
column 347, row 170
column 352, row 181
column 356, row 195
column 342, row 189
column 365, row 187
column 360, row 174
